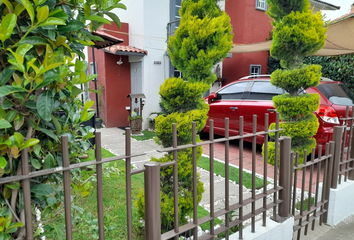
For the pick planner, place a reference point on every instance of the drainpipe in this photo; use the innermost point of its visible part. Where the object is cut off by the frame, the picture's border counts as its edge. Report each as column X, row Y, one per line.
column 95, row 81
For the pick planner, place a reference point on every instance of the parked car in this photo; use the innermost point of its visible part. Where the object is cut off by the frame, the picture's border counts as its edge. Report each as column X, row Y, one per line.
column 253, row 95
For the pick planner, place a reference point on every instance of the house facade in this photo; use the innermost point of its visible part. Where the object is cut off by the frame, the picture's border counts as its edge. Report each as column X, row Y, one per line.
column 141, row 64
column 251, row 24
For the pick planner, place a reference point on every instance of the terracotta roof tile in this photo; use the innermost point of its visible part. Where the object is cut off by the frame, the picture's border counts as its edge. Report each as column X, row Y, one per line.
column 123, row 48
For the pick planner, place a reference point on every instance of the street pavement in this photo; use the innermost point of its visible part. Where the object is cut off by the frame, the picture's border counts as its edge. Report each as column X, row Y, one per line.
column 113, row 139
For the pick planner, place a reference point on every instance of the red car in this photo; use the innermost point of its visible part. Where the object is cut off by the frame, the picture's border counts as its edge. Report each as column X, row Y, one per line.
column 253, row 95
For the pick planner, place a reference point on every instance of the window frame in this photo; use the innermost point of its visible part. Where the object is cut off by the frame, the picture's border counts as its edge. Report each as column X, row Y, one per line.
column 255, row 66
column 259, row 7
column 241, row 93
column 249, row 96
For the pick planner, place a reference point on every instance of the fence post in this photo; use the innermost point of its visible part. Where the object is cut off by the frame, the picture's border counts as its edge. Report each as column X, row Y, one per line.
column 27, row 195
column 337, row 138
column 284, row 178
column 152, row 201
column 351, row 149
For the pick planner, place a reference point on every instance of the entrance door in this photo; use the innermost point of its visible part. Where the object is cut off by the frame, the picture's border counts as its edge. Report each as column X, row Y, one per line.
column 136, row 77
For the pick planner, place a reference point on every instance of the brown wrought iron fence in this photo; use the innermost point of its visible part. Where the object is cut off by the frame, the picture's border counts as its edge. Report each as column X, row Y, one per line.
column 336, row 164
column 226, row 211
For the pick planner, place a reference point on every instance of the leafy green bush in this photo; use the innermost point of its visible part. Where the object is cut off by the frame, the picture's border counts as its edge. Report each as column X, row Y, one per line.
column 185, row 189
column 304, row 127
column 292, row 107
column 39, row 74
column 178, row 94
column 297, row 33
column 295, row 79
column 202, row 40
column 183, row 120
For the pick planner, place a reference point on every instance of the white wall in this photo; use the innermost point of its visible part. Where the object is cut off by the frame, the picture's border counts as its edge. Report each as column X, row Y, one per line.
column 147, row 30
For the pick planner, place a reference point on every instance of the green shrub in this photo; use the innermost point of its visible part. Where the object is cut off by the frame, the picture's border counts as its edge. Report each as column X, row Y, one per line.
column 305, row 127
column 163, row 127
column 185, row 189
column 201, row 41
column 296, row 146
column 291, row 107
column 297, row 33
column 177, row 94
column 295, row 79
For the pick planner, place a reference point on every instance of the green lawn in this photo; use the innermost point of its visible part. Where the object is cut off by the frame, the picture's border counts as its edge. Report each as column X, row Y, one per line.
column 219, row 169
column 202, row 213
column 114, row 201
column 147, row 135
column 91, row 155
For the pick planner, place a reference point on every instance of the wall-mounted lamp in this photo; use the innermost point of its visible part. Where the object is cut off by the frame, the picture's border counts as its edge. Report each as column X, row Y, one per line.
column 142, row 104
column 120, row 62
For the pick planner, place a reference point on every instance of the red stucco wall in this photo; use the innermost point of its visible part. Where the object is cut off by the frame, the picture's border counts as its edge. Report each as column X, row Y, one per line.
column 249, row 26
column 117, row 89
column 113, row 80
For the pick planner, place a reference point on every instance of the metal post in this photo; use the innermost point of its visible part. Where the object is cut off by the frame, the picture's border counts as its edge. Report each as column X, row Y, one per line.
column 98, row 154
column 351, row 149
column 152, row 201
column 95, row 81
column 67, row 196
column 337, row 138
column 27, row 195
column 128, row 183
column 284, row 178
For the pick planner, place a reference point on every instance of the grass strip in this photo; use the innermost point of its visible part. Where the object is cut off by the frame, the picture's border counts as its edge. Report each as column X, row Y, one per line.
column 202, row 213
column 219, row 169
column 114, row 204
column 305, row 205
column 147, row 135
column 91, row 155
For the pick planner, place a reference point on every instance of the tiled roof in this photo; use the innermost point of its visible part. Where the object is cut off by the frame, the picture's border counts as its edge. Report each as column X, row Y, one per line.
column 123, row 48
column 345, row 15
column 108, row 39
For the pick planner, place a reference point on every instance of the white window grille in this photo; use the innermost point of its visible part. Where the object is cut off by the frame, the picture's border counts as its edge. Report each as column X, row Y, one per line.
column 255, row 70
column 261, row 5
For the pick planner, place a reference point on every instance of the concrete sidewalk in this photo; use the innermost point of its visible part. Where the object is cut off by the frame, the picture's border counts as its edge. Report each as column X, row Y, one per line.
column 343, row 231
column 113, row 139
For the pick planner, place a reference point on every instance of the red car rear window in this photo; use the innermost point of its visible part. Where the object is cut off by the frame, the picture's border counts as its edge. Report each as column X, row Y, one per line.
column 337, row 94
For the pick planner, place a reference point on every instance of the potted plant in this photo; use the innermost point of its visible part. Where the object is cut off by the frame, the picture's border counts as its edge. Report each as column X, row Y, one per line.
column 135, row 121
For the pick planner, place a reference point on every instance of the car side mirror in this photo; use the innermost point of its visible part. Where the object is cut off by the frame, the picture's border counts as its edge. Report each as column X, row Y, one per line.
column 212, row 97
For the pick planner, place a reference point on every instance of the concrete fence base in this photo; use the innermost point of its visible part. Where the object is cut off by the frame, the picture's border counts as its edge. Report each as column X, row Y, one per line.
column 340, row 204
column 272, row 231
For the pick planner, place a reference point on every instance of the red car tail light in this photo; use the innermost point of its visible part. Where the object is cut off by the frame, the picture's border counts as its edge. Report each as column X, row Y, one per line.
column 327, row 114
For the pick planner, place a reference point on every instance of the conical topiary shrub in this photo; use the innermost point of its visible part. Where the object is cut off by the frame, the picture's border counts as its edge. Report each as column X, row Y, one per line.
column 297, row 33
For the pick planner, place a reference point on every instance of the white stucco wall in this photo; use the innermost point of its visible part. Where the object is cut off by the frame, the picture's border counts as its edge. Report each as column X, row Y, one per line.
column 147, row 30
column 272, row 231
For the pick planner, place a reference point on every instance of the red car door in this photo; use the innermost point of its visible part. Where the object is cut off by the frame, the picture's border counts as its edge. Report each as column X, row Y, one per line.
column 258, row 102
column 226, row 105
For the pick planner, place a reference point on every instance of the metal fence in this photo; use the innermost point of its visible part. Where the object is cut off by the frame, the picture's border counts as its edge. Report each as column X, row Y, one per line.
column 333, row 167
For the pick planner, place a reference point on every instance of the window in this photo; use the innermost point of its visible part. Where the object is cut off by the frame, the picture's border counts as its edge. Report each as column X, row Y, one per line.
column 234, row 91
column 91, row 68
column 175, row 6
column 337, row 94
column 261, row 5
column 255, row 70
column 177, row 73
column 264, row 90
